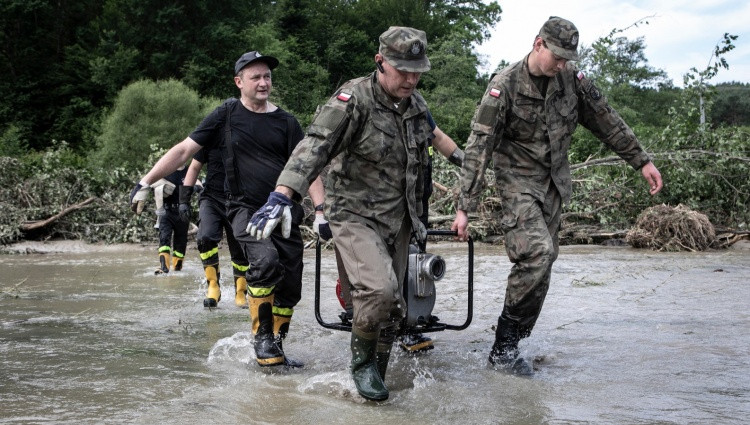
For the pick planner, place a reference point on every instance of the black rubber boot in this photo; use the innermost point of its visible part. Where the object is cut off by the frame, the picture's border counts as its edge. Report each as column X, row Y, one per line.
column 364, row 367
column 280, row 329
column 267, row 352
column 504, row 353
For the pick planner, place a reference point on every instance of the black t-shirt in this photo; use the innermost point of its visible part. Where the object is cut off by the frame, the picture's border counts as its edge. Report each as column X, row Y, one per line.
column 260, row 144
column 214, row 181
column 176, row 179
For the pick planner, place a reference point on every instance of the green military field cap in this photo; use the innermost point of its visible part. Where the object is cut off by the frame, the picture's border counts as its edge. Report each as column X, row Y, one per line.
column 405, row 49
column 561, row 37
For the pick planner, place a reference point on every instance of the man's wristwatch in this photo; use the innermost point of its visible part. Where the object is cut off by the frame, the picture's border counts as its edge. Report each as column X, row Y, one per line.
column 320, row 207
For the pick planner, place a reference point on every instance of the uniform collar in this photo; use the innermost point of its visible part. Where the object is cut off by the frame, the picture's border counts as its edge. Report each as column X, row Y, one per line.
column 415, row 102
column 528, row 88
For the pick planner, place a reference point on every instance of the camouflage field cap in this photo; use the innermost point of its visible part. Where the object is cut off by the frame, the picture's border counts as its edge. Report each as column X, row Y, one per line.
column 561, row 37
column 405, row 49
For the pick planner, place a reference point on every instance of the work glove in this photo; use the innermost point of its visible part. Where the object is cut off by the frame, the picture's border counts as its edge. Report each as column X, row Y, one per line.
column 321, row 227
column 457, row 157
column 138, row 197
column 186, row 211
column 277, row 208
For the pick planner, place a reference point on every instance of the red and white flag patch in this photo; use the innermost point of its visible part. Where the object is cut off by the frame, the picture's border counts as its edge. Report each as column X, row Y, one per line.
column 494, row 92
column 344, row 97
column 580, row 75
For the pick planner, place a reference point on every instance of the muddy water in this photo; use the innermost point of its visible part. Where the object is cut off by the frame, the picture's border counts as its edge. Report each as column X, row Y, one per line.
column 627, row 336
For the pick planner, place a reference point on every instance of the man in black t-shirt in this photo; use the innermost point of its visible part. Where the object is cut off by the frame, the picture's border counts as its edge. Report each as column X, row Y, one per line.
column 261, row 137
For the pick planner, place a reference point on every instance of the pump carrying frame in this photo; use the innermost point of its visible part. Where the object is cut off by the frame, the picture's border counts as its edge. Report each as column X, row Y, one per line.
column 433, row 325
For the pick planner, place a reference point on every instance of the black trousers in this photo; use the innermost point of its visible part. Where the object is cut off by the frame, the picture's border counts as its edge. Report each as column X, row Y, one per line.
column 213, row 223
column 172, row 232
column 275, row 262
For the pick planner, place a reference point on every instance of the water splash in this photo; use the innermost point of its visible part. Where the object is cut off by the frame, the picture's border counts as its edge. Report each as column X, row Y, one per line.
column 236, row 348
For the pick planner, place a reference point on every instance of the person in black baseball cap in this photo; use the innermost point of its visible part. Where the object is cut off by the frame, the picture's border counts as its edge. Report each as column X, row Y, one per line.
column 254, row 56
column 254, row 138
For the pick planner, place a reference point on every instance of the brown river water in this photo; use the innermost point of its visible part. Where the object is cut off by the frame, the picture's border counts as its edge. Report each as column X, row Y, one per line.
column 88, row 334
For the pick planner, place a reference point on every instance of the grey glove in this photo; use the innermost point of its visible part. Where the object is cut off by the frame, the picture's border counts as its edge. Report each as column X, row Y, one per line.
column 457, row 157
column 138, row 197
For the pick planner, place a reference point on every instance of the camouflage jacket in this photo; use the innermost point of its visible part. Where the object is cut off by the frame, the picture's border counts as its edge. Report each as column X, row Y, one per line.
column 377, row 153
column 529, row 135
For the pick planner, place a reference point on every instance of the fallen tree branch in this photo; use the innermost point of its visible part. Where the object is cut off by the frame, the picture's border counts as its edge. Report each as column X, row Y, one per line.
column 683, row 155
column 34, row 225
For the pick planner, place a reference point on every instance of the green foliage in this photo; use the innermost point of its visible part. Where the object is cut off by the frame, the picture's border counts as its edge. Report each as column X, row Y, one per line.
column 145, row 113
column 452, row 61
column 11, row 142
column 731, row 105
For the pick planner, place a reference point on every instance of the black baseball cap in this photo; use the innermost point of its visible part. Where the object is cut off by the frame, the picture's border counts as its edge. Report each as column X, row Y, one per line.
column 254, row 56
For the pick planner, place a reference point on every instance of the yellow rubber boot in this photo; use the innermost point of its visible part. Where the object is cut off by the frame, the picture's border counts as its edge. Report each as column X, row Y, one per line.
column 280, row 329
column 213, row 295
column 240, row 291
column 163, row 263
column 267, row 352
column 177, row 263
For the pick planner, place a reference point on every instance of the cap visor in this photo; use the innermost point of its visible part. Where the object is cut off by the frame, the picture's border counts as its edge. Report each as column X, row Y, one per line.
column 570, row 55
column 420, row 65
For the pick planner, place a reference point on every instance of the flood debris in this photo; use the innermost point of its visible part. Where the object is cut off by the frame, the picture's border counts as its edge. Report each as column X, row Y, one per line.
column 672, row 229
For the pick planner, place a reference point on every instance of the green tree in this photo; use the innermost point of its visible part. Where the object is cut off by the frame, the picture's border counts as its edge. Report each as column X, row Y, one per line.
column 145, row 114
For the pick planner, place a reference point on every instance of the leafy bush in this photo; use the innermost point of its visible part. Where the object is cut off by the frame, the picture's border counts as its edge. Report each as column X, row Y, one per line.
column 145, row 113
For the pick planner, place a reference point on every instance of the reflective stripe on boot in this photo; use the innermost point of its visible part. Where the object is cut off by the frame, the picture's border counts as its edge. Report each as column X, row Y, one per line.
column 364, row 368
column 267, row 352
column 213, row 294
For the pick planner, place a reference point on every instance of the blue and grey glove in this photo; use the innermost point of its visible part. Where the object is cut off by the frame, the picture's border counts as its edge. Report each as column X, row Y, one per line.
column 138, row 197
column 322, row 228
column 264, row 221
column 186, row 210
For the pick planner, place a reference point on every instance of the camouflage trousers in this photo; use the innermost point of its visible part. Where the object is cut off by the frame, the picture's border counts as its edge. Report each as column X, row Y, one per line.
column 531, row 242
column 375, row 271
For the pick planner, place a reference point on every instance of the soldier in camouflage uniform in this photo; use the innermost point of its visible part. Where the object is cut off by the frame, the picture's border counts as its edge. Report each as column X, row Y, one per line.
column 374, row 132
column 525, row 121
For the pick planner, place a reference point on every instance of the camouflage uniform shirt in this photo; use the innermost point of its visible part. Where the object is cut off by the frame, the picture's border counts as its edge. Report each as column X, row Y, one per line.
column 377, row 151
column 528, row 135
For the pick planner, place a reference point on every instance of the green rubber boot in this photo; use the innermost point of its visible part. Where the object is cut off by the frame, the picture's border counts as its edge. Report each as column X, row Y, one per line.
column 364, row 366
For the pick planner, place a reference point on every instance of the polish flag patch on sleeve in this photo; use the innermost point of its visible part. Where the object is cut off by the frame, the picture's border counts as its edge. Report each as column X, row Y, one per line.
column 580, row 75
column 494, row 92
column 344, row 97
